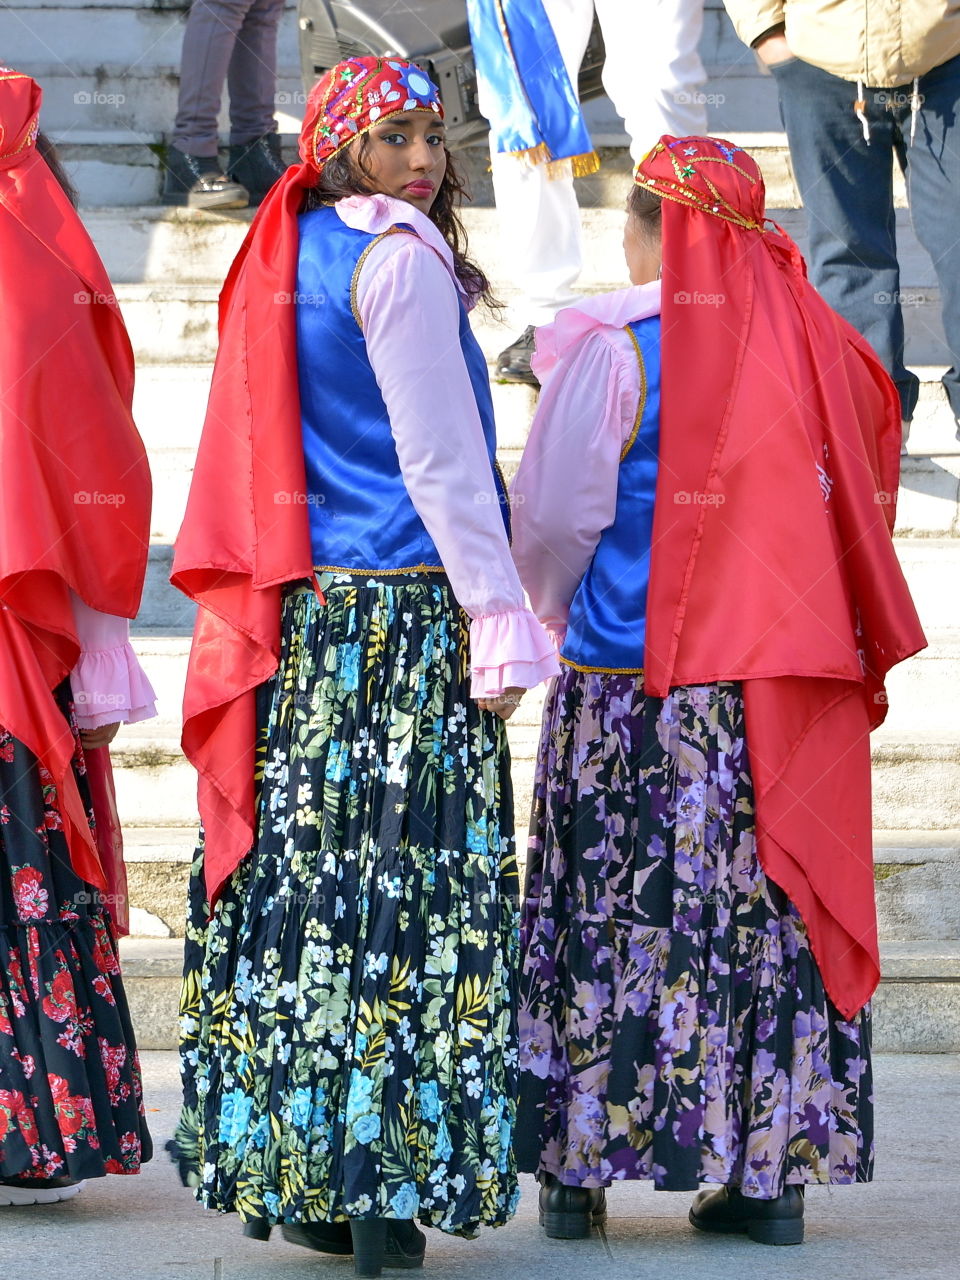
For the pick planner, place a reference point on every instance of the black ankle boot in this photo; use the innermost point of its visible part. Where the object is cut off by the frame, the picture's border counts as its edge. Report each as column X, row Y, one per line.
column 199, row 183
column 386, row 1242
column 257, row 1229
column 257, row 165
column 324, row 1237
column 777, row 1221
column 568, row 1213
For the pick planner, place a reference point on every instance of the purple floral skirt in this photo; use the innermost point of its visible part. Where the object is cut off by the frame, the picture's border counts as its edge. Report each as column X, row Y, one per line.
column 673, row 1021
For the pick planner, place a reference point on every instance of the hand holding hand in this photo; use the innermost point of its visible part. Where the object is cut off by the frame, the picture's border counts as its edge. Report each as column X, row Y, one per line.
column 505, row 704
column 101, row 737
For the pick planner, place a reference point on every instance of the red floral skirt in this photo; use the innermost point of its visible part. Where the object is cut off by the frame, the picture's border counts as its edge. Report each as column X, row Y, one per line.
column 70, row 1095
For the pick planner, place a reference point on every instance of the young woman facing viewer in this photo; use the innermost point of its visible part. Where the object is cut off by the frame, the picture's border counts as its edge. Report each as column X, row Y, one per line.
column 705, row 522
column 349, row 1034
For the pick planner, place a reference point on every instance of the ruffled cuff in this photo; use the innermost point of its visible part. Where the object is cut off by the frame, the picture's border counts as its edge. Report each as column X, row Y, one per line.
column 509, row 650
column 110, row 686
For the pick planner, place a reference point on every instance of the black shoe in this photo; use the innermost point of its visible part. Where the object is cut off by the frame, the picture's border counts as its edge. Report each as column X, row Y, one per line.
column 325, row 1237
column 257, row 165
column 777, row 1221
column 386, row 1242
column 199, row 183
column 568, row 1213
column 513, row 363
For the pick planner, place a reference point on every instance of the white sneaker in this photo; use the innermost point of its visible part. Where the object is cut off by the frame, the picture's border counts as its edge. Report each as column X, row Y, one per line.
column 42, row 1193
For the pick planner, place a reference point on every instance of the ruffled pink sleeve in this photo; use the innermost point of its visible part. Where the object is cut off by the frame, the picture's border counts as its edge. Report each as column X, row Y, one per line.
column 408, row 305
column 109, row 685
column 565, row 493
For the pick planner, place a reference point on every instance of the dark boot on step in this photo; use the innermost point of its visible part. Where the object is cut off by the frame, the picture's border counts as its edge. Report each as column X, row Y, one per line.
column 568, row 1213
column 257, row 165
column 513, row 362
column 198, row 182
column 726, row 1210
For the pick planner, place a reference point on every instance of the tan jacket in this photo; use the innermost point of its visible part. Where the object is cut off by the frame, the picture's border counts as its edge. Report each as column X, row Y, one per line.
column 881, row 42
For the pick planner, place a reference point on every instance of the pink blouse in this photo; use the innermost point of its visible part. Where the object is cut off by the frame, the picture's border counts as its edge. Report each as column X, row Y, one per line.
column 109, row 685
column 411, row 318
column 565, row 493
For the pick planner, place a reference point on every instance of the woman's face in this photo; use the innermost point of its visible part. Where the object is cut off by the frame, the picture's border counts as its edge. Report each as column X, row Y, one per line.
column 405, row 157
column 641, row 251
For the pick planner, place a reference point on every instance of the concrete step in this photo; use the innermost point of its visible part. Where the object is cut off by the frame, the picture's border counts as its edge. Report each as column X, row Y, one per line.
column 918, row 885
column 916, row 1010
column 160, row 246
column 167, row 267
column 920, row 690
column 931, row 566
column 916, row 778
column 917, row 877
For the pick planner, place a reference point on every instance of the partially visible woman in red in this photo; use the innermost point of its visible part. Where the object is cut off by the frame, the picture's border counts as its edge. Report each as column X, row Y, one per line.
column 74, row 527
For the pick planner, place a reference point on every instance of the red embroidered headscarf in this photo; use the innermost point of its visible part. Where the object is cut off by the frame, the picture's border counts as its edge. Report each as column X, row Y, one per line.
column 773, row 561
column 74, row 481
column 238, row 547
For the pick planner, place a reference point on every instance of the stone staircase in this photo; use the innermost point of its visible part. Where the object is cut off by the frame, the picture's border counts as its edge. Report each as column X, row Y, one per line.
column 109, row 71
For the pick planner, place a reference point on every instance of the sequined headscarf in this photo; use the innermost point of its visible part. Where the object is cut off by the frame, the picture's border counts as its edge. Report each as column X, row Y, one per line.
column 772, row 559
column 355, row 95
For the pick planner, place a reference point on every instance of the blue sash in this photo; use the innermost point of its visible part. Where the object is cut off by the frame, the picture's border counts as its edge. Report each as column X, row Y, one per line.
column 534, row 109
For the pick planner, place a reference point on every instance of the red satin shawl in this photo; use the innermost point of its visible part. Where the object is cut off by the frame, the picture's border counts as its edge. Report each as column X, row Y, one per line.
column 246, row 534
column 773, row 561
column 75, row 507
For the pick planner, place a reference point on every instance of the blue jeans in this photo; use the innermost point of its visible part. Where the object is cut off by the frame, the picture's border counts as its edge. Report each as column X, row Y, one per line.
column 847, row 190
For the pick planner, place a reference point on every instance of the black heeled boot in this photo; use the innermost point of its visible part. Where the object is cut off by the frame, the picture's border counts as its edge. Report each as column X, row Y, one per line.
column 386, row 1242
column 257, row 1229
column 568, row 1213
column 323, row 1237
column 727, row 1210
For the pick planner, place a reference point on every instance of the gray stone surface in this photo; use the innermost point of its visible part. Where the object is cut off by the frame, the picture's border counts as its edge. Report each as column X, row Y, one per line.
column 900, row 1227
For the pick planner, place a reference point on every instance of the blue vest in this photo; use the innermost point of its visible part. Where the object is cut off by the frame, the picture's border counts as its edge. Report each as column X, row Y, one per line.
column 606, row 629
column 361, row 516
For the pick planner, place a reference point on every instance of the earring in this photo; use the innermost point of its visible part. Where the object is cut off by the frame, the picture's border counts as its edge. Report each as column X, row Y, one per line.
column 660, row 271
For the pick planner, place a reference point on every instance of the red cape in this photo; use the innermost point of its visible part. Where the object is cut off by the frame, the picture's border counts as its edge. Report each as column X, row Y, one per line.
column 75, row 504
column 773, row 561
column 240, row 543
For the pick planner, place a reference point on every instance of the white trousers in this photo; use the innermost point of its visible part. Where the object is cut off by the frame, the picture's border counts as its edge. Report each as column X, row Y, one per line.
column 653, row 75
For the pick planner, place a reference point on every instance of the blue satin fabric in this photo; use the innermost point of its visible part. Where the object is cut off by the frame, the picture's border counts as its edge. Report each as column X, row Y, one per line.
column 361, row 516
column 606, row 630
column 526, row 89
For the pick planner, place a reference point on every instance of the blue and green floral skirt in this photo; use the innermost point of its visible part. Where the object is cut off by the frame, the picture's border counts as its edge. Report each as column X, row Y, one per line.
column 673, row 1022
column 349, row 1035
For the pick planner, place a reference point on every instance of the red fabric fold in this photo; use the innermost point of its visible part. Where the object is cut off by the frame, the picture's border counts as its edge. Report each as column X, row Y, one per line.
column 245, row 534
column 75, row 506
column 773, row 561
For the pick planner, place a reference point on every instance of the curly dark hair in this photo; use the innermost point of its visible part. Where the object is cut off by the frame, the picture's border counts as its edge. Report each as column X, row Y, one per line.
column 346, row 175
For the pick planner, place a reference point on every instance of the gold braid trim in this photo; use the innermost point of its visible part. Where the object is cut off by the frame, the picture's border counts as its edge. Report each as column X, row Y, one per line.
column 643, row 393
column 604, row 671
column 355, row 279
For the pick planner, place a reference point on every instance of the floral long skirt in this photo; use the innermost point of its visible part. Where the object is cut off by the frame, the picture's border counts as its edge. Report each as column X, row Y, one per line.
column 349, row 1036
column 70, row 1090
column 673, row 1022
